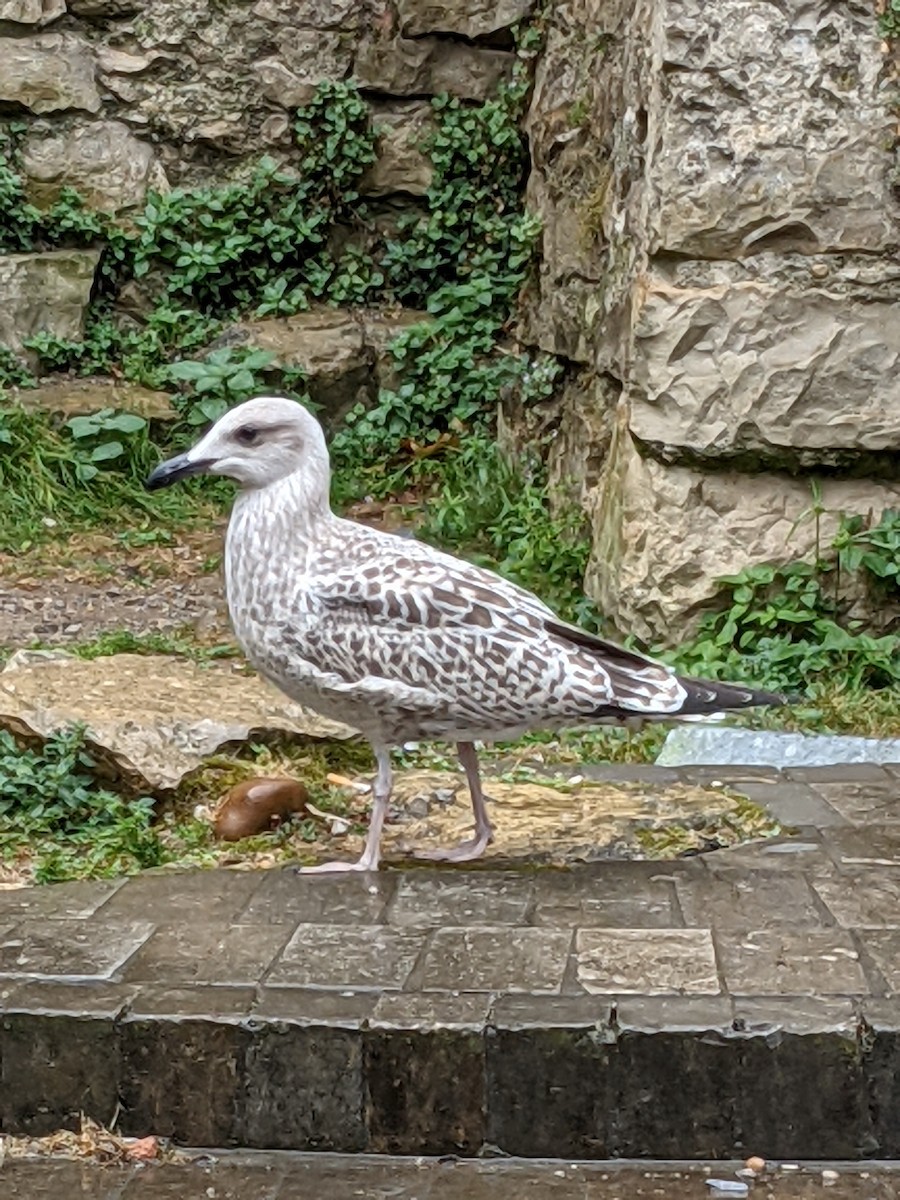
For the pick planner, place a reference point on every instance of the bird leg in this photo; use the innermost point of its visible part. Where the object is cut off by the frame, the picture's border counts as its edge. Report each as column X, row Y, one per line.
column 484, row 832
column 381, row 793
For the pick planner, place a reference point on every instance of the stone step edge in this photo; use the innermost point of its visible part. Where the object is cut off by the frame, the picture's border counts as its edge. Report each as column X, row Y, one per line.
column 648, row 1077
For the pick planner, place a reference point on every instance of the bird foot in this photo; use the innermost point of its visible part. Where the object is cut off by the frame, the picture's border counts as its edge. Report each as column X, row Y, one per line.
column 337, row 868
column 465, row 852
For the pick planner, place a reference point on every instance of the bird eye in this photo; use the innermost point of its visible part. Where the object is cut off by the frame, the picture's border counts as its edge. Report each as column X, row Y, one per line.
column 247, row 434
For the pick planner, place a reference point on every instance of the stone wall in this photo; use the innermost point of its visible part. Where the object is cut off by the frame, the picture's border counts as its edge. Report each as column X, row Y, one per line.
column 720, row 264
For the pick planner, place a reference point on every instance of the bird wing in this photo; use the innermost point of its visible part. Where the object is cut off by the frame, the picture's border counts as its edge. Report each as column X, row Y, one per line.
column 480, row 648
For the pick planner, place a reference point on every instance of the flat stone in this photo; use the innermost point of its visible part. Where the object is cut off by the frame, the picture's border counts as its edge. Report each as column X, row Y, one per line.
column 646, row 961
column 495, row 960
column 863, row 898
column 80, row 397
column 182, row 1078
column 176, row 897
column 724, row 746
column 777, row 963
column 678, row 1014
column 874, row 846
column 864, row 804
column 284, row 898
column 312, row 1006
column 734, row 899
column 110, row 167
column 433, row 1010
column 54, row 1069
column 59, row 900
column 542, row 1011
column 414, row 1077
column 44, row 293
column 368, row 956
column 435, row 898
column 49, row 72
column 775, row 1015
column 71, row 950
column 201, row 1001
column 625, row 895
column 794, row 804
column 884, row 947
column 208, row 953
column 89, row 998
column 303, row 1088
column 151, row 718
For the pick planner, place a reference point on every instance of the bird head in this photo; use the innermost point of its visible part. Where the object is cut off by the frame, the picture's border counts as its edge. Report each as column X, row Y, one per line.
column 257, row 443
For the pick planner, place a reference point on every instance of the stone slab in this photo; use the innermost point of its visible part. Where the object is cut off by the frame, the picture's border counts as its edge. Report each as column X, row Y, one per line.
column 690, row 745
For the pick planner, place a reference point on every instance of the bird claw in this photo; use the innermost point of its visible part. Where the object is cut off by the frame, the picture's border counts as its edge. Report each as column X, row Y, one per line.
column 336, row 868
column 465, row 852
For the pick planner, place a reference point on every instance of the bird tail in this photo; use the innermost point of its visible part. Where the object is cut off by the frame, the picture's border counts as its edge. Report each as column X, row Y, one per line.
column 707, row 696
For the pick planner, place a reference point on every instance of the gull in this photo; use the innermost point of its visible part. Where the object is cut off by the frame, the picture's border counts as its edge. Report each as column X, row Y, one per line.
column 398, row 639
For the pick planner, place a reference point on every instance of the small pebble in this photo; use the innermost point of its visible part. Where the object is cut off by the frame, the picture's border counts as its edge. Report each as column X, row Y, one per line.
column 830, row 1177
column 755, row 1164
column 790, row 1166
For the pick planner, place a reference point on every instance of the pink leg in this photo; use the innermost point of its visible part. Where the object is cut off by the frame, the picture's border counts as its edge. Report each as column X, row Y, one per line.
column 371, row 855
column 474, row 847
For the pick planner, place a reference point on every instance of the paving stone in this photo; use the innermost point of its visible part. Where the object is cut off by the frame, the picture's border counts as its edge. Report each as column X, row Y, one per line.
column 796, row 1091
column 874, row 846
column 425, row 1090
column 863, row 898
column 632, row 895
column 676, row 1014
column 301, row 1088
column 337, row 956
column 883, row 945
column 551, row 1012
column 70, row 949
column 861, row 772
column 793, row 804
column 646, row 961
column 62, row 900
column 313, row 1006
column 778, row 963
column 805, row 852
column 53, row 1069
column 196, row 1181
column 182, row 1079
column 48, row 997
column 733, row 898
column 773, row 1015
column 208, row 954
column 182, row 897
column 43, row 1180
column 211, row 1003
column 495, row 960
column 866, row 803
column 432, row 1010
column 286, row 898
column 432, row 898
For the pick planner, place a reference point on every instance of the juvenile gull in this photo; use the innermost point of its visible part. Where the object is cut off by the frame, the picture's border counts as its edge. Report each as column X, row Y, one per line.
column 396, row 638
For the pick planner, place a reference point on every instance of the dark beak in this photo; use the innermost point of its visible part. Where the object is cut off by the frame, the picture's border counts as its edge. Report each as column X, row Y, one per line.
column 174, row 469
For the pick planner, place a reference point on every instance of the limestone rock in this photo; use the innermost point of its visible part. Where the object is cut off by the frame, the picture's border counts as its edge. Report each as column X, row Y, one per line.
column 80, row 397
column 461, row 17
column 799, row 372
column 107, row 8
column 773, row 129
column 400, row 66
column 664, row 535
column 343, row 354
column 110, row 167
column 280, row 84
column 48, row 73
column 44, row 292
column 312, row 14
column 31, row 12
column 150, row 719
column 402, row 165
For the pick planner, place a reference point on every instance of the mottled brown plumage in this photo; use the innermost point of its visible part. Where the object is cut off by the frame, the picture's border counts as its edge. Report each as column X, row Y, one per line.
column 398, row 639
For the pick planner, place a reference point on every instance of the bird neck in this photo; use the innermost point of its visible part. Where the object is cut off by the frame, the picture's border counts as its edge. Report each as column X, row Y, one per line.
column 298, row 503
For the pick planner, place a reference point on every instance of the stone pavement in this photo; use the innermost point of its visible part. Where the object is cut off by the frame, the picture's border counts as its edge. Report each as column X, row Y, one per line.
column 742, row 1001
column 332, row 1177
